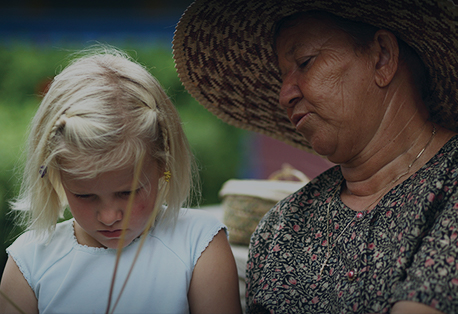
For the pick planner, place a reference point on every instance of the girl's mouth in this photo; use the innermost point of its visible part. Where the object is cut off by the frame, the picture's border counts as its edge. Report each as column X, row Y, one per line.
column 111, row 233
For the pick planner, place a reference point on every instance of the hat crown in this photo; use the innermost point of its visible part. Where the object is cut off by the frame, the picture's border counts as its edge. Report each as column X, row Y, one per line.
column 224, row 56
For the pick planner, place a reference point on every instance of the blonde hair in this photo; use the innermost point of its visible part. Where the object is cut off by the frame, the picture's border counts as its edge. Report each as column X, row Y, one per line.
column 101, row 113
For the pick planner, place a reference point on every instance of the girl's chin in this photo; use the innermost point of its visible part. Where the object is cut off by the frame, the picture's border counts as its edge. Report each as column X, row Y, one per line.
column 114, row 243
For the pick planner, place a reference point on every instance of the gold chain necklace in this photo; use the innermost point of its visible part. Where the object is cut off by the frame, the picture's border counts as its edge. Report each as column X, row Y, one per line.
column 361, row 214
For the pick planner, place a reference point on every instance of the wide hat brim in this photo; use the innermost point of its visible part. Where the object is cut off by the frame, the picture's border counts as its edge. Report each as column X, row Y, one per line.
column 224, row 57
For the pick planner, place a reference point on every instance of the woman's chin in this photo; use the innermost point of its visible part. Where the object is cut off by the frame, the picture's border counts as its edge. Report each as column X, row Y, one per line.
column 325, row 148
column 320, row 147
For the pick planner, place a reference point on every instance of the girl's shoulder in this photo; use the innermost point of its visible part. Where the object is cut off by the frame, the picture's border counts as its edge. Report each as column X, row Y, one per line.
column 192, row 232
column 197, row 217
column 34, row 254
column 189, row 220
column 61, row 236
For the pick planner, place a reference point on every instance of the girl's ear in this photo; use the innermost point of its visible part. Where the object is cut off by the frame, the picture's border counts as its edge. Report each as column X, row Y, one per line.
column 161, row 167
column 387, row 54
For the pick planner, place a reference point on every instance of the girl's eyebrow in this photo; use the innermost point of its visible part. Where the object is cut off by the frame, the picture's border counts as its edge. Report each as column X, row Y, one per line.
column 78, row 192
column 129, row 189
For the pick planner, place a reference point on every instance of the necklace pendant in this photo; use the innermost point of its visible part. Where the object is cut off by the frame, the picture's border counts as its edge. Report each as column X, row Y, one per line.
column 352, row 274
column 360, row 215
column 322, row 268
column 324, row 264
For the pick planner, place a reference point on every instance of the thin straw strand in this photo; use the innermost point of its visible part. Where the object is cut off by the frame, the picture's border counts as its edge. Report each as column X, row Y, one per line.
column 151, row 219
column 124, row 227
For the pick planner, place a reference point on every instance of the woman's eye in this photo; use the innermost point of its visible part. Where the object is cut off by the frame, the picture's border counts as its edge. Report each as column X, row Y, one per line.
column 304, row 64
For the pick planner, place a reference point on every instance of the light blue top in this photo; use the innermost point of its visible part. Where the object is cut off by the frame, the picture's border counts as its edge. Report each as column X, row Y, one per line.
column 71, row 278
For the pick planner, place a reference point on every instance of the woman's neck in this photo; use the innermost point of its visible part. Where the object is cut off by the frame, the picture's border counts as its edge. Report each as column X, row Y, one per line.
column 389, row 163
column 405, row 140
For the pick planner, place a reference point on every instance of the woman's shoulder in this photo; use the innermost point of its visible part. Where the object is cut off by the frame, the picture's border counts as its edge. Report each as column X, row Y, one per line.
column 312, row 191
column 443, row 165
column 327, row 178
column 301, row 202
column 450, row 147
column 449, row 150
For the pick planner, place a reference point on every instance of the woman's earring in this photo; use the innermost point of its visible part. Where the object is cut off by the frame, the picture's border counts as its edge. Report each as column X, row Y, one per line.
column 167, row 176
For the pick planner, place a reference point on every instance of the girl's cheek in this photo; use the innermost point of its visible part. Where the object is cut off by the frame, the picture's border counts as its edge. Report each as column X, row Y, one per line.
column 140, row 207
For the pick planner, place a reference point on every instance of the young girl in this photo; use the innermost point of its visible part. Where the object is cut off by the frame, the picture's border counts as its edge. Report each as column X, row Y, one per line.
column 108, row 143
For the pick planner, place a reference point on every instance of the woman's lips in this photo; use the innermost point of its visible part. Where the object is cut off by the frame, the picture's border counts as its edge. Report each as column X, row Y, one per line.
column 299, row 118
column 111, row 234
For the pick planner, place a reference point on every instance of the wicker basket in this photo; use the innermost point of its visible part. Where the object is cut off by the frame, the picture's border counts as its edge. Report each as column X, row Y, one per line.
column 245, row 202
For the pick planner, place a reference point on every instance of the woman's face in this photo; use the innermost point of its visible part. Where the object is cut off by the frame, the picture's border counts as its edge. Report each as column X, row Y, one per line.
column 328, row 88
column 99, row 205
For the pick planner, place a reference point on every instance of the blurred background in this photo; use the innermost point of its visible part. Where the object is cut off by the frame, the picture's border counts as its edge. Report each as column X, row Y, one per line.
column 36, row 38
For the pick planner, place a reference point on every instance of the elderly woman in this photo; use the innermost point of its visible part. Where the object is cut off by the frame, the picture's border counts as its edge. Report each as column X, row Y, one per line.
column 371, row 86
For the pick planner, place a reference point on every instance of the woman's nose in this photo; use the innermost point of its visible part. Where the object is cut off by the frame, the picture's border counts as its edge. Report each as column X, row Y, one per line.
column 290, row 92
column 109, row 214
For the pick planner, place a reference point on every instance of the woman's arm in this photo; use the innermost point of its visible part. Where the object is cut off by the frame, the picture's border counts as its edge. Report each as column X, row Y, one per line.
column 410, row 307
column 16, row 288
column 214, row 285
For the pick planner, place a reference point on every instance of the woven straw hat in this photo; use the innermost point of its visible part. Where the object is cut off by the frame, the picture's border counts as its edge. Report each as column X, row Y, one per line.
column 224, row 56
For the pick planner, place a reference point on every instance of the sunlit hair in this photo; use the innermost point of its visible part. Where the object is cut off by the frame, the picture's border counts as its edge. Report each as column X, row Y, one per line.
column 101, row 113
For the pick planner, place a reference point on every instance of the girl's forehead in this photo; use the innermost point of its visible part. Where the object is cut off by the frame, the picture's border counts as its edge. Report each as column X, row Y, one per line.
column 105, row 184
column 89, row 167
column 113, row 176
column 120, row 176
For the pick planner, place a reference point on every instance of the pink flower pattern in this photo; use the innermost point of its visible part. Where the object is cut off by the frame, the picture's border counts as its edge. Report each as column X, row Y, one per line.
column 406, row 248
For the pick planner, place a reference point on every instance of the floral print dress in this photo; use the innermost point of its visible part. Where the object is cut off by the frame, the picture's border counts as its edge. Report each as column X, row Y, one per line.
column 406, row 248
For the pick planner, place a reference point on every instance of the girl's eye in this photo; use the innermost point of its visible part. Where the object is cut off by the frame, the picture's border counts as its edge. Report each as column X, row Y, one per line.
column 127, row 193
column 84, row 196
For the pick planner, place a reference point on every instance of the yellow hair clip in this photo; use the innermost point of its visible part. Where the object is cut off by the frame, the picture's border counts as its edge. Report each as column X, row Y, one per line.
column 167, row 176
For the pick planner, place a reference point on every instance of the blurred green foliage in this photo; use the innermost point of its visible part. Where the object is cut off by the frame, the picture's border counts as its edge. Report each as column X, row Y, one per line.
column 26, row 69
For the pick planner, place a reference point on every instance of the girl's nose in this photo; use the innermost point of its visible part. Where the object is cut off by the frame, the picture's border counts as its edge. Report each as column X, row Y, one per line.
column 110, row 214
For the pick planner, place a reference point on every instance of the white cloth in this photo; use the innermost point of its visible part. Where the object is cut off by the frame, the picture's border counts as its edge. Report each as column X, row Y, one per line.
column 273, row 190
column 71, row 278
